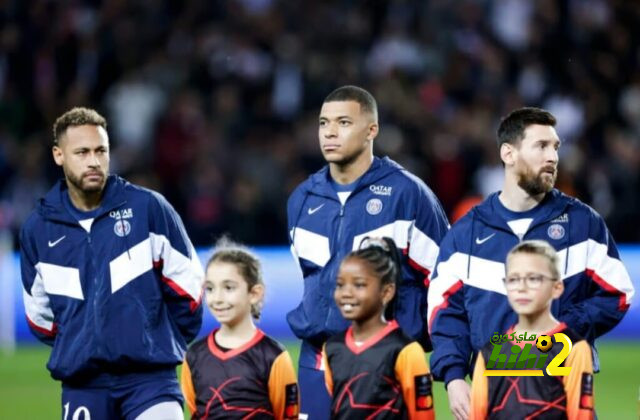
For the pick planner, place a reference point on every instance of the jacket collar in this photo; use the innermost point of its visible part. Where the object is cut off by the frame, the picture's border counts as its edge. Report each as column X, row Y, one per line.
column 320, row 182
column 553, row 205
column 51, row 207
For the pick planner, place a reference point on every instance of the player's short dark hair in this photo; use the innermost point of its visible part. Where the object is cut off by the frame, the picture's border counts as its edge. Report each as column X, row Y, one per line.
column 247, row 263
column 541, row 248
column 75, row 117
column 513, row 126
column 383, row 257
column 354, row 93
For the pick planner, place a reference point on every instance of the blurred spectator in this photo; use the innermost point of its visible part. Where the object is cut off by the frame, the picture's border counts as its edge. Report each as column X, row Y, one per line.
column 213, row 103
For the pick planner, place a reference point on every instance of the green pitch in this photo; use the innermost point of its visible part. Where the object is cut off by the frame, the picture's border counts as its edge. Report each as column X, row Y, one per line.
column 27, row 391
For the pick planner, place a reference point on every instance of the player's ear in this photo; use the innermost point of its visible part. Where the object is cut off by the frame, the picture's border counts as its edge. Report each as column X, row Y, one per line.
column 58, row 157
column 256, row 294
column 558, row 288
column 388, row 292
column 373, row 131
column 507, row 153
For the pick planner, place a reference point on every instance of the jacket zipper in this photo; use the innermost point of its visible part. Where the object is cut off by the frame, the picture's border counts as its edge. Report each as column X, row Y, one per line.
column 338, row 256
column 94, row 280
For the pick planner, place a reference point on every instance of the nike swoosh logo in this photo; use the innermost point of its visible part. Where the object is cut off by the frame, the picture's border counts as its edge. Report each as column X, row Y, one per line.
column 54, row 243
column 483, row 240
column 311, row 211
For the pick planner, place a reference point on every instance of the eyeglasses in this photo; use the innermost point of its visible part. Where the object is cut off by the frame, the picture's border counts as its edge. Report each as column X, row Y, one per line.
column 532, row 281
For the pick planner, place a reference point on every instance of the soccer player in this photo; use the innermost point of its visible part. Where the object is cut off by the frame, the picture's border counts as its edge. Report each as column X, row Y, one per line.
column 238, row 372
column 532, row 283
column 354, row 196
column 467, row 299
column 373, row 370
column 111, row 281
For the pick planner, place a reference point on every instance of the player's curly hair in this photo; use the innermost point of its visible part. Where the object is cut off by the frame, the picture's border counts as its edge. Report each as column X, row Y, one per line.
column 383, row 256
column 248, row 264
column 75, row 117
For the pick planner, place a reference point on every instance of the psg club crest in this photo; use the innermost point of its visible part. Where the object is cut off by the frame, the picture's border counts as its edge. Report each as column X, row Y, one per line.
column 122, row 227
column 374, row 206
column 555, row 231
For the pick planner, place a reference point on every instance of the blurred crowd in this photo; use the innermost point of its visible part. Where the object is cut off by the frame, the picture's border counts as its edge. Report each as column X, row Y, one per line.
column 215, row 103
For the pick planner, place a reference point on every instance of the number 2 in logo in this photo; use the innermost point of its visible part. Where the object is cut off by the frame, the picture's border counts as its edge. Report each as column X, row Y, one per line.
column 554, row 368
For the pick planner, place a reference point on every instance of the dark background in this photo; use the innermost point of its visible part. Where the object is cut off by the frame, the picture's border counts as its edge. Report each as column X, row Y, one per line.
column 215, row 103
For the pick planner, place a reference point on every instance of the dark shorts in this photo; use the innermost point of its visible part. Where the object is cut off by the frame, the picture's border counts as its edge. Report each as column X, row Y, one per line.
column 315, row 400
column 124, row 398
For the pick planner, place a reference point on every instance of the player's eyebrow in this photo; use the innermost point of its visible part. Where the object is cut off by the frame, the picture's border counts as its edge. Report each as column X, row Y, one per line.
column 553, row 141
column 339, row 117
column 227, row 282
column 356, row 277
column 86, row 149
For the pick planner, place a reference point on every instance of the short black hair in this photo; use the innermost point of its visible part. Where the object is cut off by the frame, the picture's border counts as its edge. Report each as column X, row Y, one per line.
column 75, row 117
column 354, row 93
column 513, row 126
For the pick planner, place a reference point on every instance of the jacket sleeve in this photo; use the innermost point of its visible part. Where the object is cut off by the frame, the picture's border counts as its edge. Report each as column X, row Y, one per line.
column 427, row 231
column 448, row 322
column 610, row 290
column 181, row 272
column 38, row 311
column 293, row 212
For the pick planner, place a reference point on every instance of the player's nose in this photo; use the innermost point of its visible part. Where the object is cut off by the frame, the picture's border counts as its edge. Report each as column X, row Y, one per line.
column 331, row 130
column 216, row 296
column 346, row 291
column 94, row 161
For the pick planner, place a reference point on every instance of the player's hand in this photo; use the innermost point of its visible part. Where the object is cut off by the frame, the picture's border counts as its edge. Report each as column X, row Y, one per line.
column 459, row 395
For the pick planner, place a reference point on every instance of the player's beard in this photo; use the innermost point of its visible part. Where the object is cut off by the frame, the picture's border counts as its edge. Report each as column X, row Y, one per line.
column 534, row 183
column 77, row 182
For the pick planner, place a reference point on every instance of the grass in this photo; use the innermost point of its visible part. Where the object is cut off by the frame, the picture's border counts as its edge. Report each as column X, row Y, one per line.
column 28, row 392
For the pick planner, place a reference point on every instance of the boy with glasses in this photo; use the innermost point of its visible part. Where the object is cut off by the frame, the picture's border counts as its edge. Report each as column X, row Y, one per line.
column 532, row 283
column 467, row 300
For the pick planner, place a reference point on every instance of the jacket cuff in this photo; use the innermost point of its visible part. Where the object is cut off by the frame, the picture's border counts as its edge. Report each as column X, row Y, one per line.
column 454, row 372
column 577, row 323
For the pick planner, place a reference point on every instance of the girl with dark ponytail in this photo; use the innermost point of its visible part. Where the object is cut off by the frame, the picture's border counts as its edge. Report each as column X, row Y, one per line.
column 373, row 368
column 383, row 257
